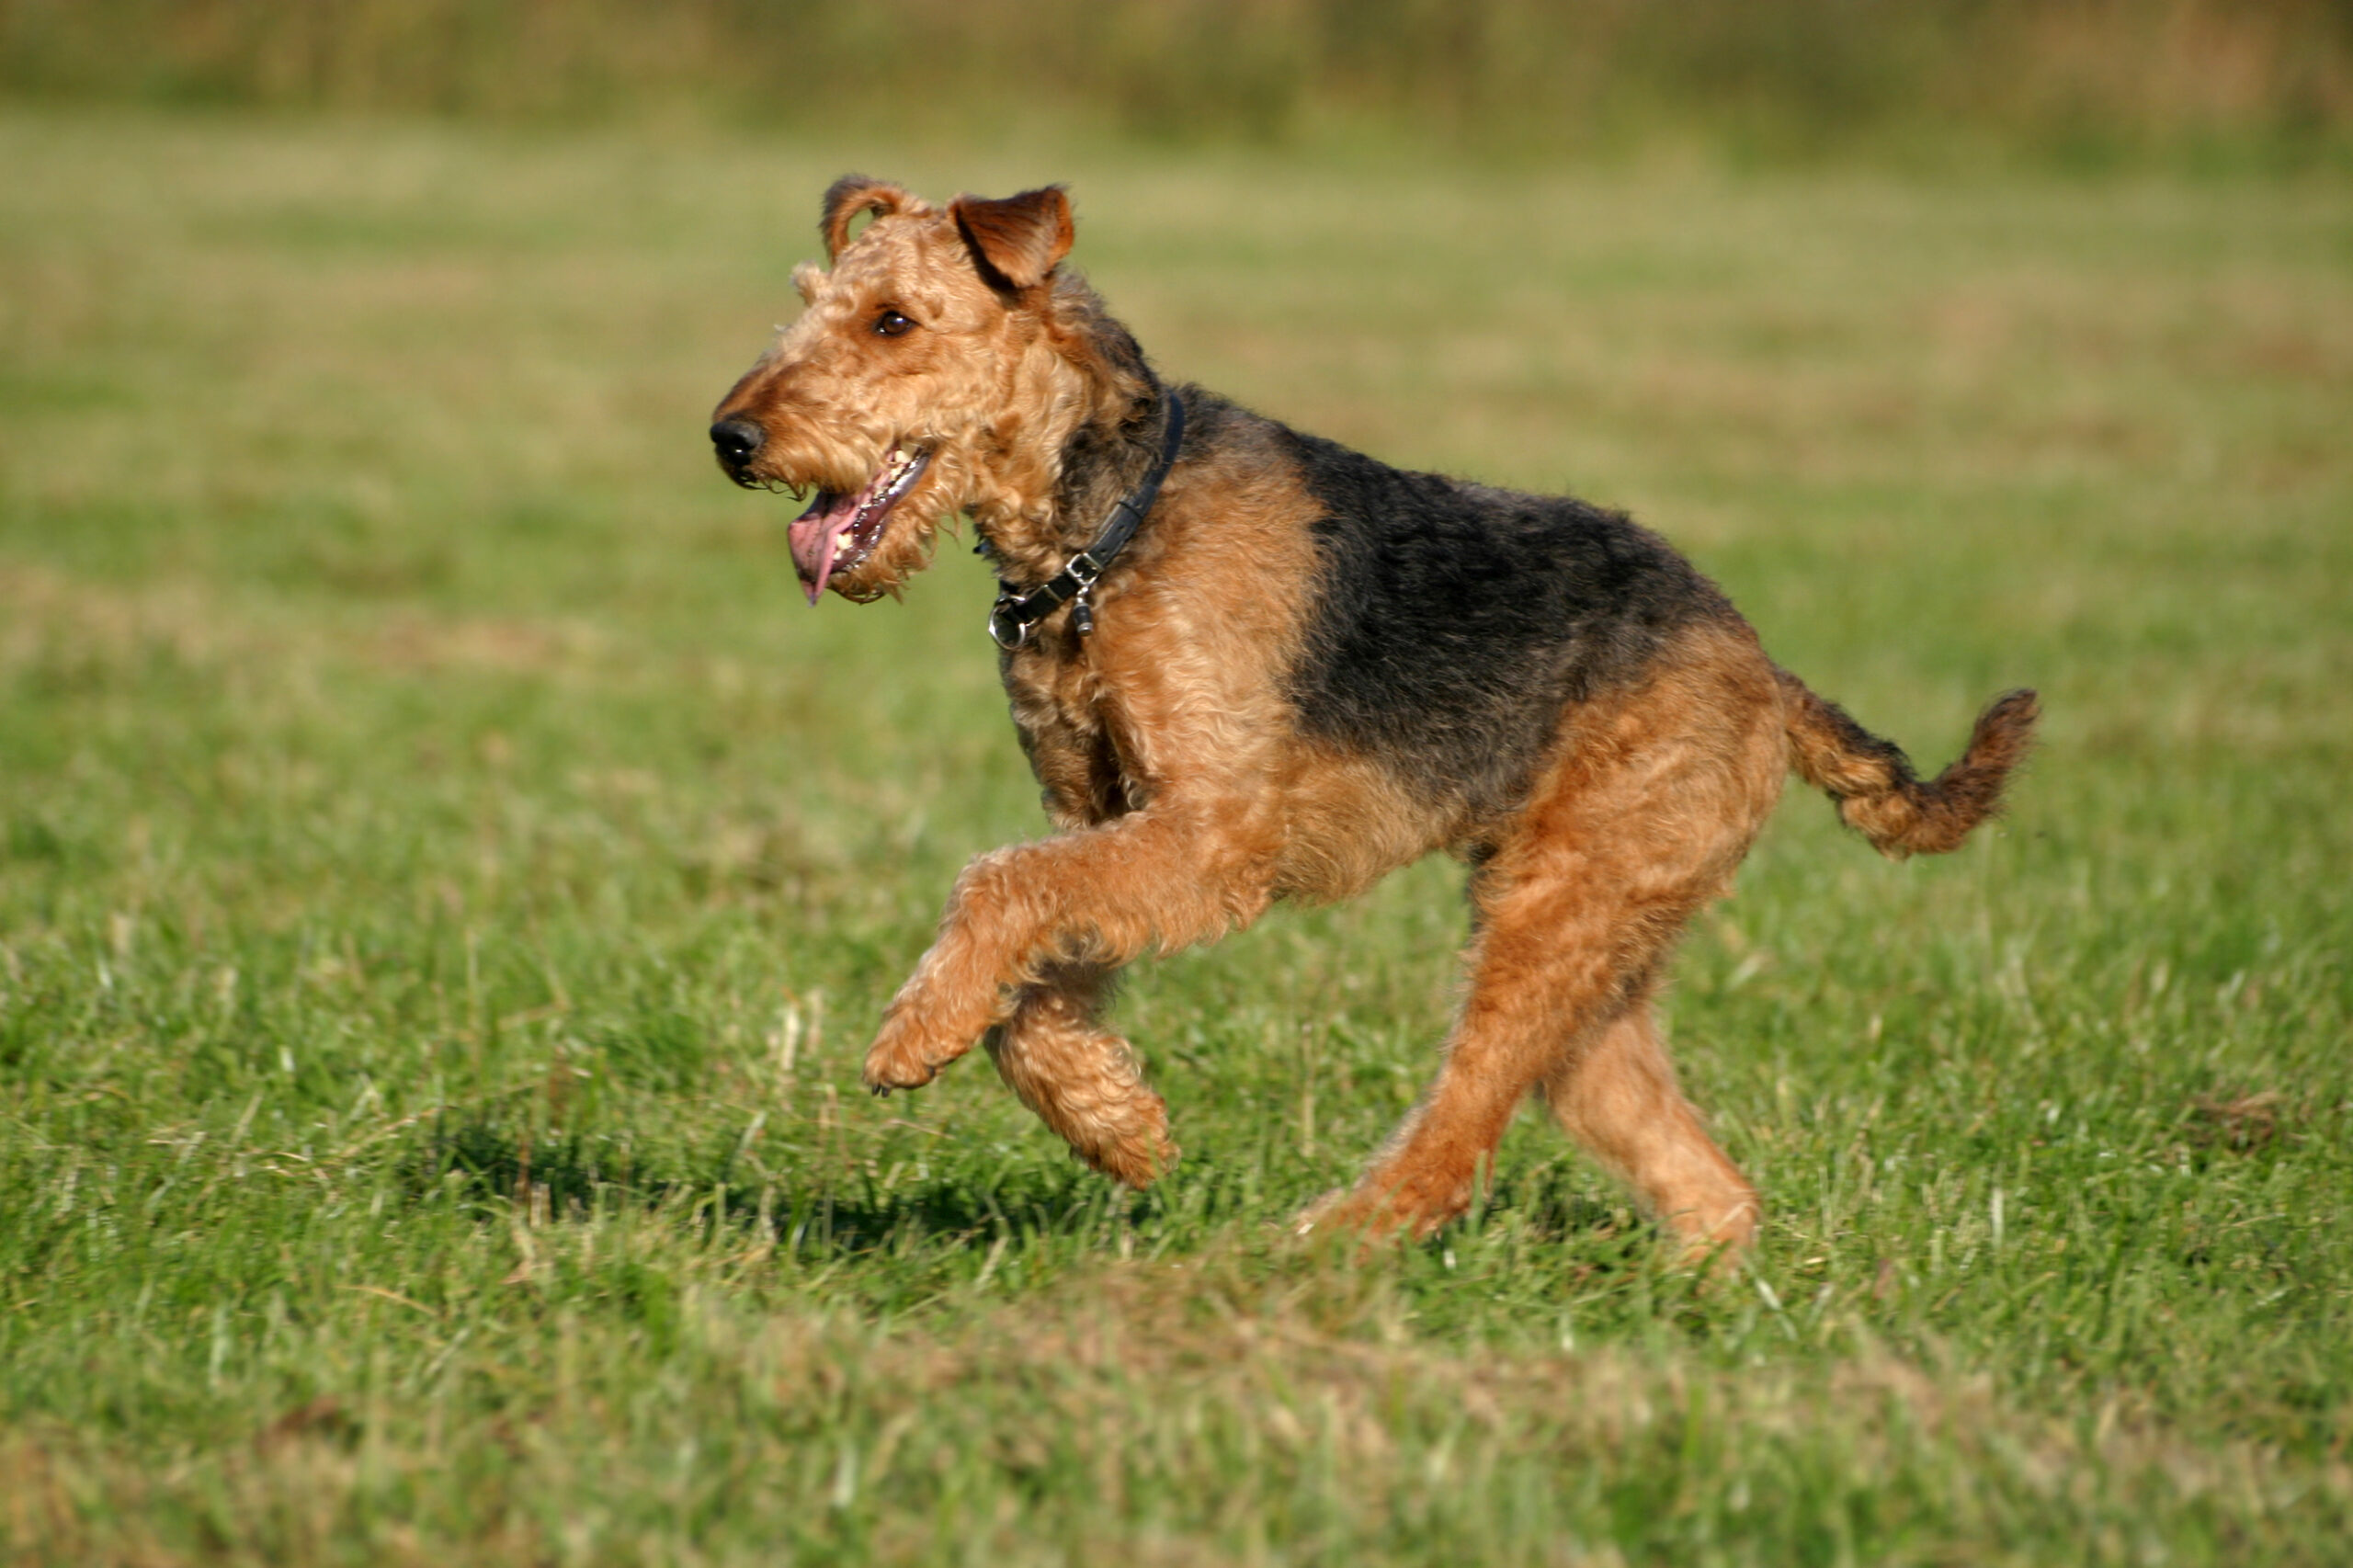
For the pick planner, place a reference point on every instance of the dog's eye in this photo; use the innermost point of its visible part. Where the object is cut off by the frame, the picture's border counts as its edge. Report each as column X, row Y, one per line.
column 890, row 323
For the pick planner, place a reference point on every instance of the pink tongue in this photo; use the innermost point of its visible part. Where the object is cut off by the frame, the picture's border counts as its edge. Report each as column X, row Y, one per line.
column 816, row 538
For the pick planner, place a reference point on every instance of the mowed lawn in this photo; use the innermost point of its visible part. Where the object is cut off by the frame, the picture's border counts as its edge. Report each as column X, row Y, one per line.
column 447, row 878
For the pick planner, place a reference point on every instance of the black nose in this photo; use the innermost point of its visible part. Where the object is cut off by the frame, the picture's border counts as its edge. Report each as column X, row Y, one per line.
column 736, row 441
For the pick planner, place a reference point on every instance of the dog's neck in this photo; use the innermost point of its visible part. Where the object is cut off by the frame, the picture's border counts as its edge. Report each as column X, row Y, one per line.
column 1102, row 459
column 1021, row 609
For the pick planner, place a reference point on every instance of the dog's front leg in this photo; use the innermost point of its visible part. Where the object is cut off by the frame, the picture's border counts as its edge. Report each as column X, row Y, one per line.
column 1083, row 1080
column 1163, row 878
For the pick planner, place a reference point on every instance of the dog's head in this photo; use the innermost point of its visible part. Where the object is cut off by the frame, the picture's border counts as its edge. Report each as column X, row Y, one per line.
column 940, row 366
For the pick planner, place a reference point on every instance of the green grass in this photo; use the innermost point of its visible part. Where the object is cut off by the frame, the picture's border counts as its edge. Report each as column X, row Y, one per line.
column 447, row 878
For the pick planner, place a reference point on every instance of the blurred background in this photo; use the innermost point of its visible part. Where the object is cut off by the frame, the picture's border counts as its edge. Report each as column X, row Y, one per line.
column 2079, row 80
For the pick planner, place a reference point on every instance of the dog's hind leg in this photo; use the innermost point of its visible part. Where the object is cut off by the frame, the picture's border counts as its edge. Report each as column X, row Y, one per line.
column 1615, row 1093
column 1560, row 953
column 1651, row 800
column 1081, row 1080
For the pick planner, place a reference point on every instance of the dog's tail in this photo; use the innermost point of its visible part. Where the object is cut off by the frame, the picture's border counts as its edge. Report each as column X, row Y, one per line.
column 1872, row 782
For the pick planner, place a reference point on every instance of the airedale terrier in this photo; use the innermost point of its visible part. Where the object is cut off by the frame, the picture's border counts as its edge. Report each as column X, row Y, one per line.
column 1250, row 664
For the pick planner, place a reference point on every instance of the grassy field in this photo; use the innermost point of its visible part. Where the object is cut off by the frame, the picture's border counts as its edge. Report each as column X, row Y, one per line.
column 446, row 878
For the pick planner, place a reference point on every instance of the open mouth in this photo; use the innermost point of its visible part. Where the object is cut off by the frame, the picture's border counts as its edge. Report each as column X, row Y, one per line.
column 839, row 530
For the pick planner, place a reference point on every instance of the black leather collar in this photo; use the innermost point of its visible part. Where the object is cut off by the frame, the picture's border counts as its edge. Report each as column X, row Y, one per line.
column 1016, row 615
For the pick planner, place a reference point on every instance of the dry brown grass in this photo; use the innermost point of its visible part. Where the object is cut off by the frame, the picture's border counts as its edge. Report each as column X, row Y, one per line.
column 1508, row 76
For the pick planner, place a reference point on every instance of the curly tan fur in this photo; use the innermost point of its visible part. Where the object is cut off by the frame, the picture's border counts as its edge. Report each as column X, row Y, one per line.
column 1306, row 670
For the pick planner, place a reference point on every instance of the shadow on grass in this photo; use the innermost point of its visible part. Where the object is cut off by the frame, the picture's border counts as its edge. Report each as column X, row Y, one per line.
column 1544, row 1228
column 572, row 1174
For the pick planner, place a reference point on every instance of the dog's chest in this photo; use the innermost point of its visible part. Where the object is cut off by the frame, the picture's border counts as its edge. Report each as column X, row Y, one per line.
column 1073, row 735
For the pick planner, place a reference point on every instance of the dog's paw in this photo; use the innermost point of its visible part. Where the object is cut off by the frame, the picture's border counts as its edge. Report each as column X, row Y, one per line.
column 1318, row 1215
column 1376, row 1212
column 1131, row 1147
column 888, row 1070
column 1345, row 1227
column 905, row 1056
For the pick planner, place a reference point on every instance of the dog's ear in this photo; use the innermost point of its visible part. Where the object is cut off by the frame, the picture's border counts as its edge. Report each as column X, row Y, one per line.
column 1018, row 242
column 850, row 196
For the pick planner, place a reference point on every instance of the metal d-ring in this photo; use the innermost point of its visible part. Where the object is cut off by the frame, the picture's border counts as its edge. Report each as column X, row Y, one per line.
column 1007, row 629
